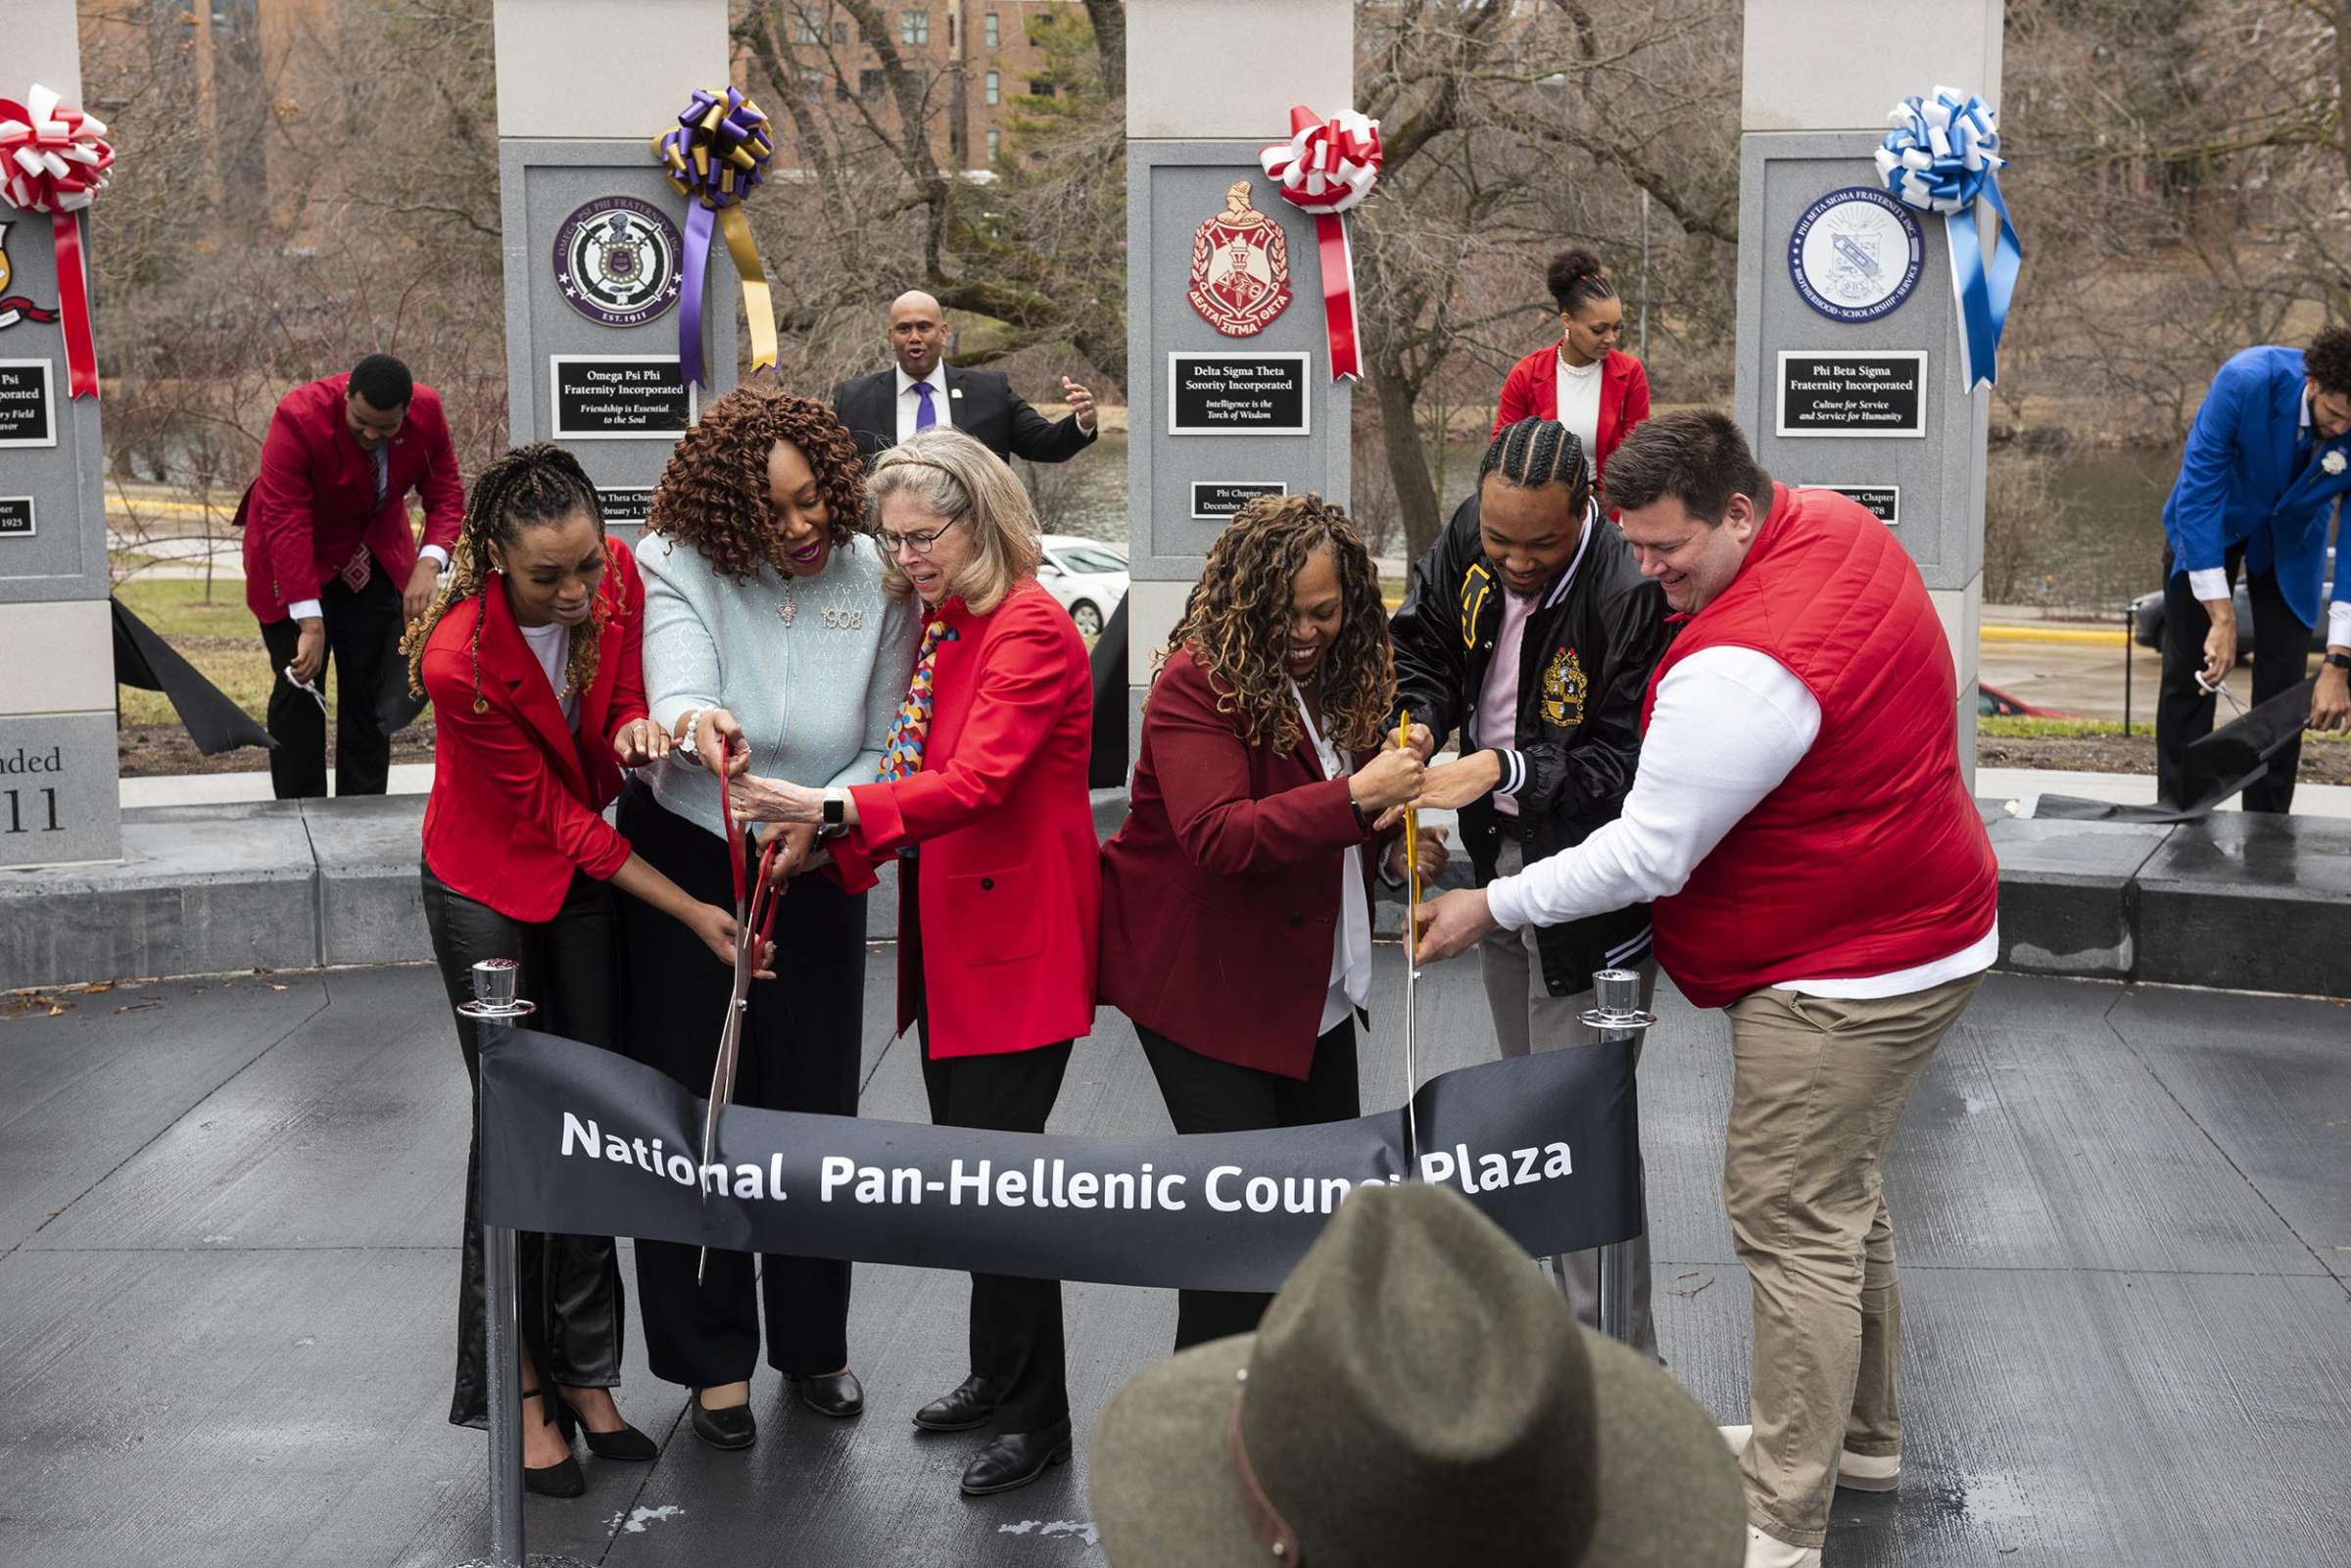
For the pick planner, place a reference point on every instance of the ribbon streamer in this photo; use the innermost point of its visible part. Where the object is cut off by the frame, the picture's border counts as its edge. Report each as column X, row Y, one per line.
column 1327, row 168
column 1942, row 155
column 715, row 158
column 1411, row 962
column 54, row 160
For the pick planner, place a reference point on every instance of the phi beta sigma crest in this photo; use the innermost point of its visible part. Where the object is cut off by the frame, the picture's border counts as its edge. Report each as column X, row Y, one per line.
column 1240, row 267
column 617, row 261
column 1855, row 254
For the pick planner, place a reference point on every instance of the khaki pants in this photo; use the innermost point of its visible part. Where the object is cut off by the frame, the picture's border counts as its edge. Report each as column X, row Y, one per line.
column 1817, row 1088
column 1528, row 1017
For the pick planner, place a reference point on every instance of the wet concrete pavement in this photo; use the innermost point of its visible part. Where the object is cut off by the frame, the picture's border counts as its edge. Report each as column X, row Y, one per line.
column 227, row 1263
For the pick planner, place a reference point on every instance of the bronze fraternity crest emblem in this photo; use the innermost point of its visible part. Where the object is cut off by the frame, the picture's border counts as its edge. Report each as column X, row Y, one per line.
column 1564, row 691
column 1240, row 267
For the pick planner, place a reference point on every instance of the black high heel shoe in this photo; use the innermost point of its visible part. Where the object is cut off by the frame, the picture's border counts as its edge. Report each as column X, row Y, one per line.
column 564, row 1479
column 626, row 1443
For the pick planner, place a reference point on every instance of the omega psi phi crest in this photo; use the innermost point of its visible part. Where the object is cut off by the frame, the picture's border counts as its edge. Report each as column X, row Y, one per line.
column 1564, row 691
column 616, row 260
column 1240, row 267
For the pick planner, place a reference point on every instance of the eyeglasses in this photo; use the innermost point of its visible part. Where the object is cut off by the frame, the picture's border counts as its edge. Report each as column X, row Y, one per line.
column 920, row 544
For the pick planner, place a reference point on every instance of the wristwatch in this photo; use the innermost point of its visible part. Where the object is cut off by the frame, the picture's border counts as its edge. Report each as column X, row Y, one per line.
column 2339, row 661
column 836, row 811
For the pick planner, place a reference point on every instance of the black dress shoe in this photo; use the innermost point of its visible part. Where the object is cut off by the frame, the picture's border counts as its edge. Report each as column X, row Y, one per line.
column 971, row 1405
column 731, row 1428
column 560, row 1480
column 626, row 1443
column 1015, row 1460
column 831, row 1394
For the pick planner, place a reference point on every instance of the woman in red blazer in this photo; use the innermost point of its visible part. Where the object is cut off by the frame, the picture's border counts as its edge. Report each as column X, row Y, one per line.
column 530, row 655
column 1584, row 381
column 1236, row 926
column 985, row 775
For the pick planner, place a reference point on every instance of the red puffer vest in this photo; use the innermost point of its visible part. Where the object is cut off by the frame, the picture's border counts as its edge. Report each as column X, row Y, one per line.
column 1869, row 857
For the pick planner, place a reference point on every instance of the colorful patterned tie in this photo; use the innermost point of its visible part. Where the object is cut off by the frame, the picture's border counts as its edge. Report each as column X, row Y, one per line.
column 902, row 758
column 925, row 416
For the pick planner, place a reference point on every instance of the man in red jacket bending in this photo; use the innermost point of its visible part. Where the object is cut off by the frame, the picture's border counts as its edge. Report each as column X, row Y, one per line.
column 1819, row 871
column 332, row 565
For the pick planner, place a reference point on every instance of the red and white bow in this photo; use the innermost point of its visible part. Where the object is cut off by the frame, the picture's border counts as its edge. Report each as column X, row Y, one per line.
column 54, row 160
column 1326, row 167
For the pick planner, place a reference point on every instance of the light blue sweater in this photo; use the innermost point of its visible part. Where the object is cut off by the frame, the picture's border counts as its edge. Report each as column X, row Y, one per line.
column 816, row 692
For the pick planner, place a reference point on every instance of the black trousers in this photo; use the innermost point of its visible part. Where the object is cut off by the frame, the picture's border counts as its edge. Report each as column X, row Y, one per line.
column 1016, row 1333
column 568, row 1287
column 2184, row 714
column 1205, row 1095
column 362, row 646
column 800, row 1053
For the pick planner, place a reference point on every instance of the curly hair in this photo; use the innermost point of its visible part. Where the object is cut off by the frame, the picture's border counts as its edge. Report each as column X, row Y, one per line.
column 2328, row 359
column 540, row 483
column 713, row 493
column 1237, row 623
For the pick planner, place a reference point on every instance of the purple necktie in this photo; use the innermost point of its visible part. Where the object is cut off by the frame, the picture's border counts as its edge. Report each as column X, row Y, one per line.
column 925, row 416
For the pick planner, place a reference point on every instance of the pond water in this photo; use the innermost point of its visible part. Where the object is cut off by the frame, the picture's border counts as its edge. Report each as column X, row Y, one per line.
column 2078, row 529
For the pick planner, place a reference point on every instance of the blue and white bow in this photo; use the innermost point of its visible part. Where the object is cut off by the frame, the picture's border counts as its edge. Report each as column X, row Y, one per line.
column 1941, row 156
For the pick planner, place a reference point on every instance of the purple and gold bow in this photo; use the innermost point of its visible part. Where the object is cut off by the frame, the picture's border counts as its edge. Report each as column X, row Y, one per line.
column 715, row 158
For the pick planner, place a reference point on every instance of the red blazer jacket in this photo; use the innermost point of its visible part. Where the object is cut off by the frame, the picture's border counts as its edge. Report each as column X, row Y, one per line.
column 1221, row 895
column 1011, row 882
column 314, row 501
column 1531, row 391
column 516, row 799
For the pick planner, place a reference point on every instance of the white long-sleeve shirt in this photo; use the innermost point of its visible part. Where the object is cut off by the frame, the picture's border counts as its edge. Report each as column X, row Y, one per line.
column 1729, row 725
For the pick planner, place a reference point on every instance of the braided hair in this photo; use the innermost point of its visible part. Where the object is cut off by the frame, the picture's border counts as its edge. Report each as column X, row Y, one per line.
column 529, row 486
column 1237, row 621
column 1575, row 279
column 1534, row 453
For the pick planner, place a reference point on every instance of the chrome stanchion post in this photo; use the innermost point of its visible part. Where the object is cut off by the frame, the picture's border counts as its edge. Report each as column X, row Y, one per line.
column 1616, row 1016
column 495, row 1002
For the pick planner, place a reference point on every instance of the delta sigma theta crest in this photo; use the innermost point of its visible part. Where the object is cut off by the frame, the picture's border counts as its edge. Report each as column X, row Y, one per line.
column 1240, row 267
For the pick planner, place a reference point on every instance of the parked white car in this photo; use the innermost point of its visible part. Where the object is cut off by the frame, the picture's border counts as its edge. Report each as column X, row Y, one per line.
column 1087, row 575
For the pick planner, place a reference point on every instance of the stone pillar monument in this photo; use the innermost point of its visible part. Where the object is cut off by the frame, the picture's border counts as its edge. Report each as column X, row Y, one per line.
column 1230, row 387
column 1848, row 371
column 595, row 248
column 60, row 801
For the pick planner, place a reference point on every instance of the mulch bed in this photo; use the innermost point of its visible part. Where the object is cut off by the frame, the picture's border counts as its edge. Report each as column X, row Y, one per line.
column 2325, row 762
column 151, row 749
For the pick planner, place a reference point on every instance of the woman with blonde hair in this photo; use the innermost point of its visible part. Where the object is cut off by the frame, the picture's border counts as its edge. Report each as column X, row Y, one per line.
column 982, row 799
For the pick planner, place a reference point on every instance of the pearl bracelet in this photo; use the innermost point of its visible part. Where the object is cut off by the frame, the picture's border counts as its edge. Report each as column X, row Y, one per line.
column 691, row 717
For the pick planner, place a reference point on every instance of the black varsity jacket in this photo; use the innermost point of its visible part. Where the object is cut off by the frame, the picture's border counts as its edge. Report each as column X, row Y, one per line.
column 1583, row 668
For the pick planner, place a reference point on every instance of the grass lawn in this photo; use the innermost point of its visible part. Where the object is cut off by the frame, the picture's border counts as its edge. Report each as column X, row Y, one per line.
column 219, row 638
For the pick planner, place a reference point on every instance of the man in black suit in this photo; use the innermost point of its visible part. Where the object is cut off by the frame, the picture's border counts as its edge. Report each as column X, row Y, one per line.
column 887, row 407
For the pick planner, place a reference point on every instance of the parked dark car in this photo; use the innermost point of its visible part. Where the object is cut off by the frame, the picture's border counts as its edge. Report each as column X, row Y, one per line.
column 2147, row 617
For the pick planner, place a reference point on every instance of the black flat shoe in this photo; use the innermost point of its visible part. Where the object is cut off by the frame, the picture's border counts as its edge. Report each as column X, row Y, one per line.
column 971, row 1405
column 732, row 1428
column 832, row 1394
column 626, row 1443
column 1015, row 1460
column 560, row 1480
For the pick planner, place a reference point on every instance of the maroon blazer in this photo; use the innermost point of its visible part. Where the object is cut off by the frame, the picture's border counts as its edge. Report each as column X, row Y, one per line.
column 313, row 503
column 1221, row 893
column 1531, row 391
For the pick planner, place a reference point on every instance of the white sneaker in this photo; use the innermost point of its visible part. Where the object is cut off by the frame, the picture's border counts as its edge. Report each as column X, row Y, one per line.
column 1770, row 1551
column 1855, row 1472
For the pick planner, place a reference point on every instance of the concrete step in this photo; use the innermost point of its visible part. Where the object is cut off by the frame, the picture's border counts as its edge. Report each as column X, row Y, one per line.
column 2238, row 902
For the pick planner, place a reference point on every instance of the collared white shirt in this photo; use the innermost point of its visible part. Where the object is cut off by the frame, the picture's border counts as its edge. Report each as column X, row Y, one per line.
column 1578, row 398
column 1351, row 944
column 910, row 401
column 1730, row 725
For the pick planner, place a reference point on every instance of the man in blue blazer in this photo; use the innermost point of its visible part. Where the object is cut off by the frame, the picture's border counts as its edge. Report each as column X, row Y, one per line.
column 2266, row 459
